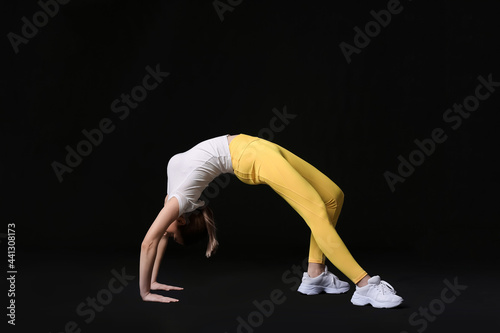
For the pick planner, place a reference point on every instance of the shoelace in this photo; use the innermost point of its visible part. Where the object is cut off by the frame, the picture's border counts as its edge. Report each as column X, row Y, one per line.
column 334, row 278
column 386, row 287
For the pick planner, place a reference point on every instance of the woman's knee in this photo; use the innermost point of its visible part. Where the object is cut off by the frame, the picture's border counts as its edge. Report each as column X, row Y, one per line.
column 340, row 198
column 336, row 199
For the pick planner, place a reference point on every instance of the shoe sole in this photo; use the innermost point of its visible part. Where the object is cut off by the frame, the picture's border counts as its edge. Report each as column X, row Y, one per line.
column 363, row 300
column 314, row 290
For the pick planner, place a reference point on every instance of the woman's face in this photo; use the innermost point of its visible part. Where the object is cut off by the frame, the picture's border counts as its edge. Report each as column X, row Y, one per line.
column 173, row 230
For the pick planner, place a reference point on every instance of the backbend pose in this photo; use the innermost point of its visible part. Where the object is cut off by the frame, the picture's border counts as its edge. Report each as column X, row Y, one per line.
column 314, row 196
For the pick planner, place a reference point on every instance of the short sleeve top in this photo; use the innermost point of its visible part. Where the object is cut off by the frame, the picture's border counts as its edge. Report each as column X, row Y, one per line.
column 190, row 172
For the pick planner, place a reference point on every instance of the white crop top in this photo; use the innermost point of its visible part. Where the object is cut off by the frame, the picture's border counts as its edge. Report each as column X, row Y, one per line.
column 189, row 173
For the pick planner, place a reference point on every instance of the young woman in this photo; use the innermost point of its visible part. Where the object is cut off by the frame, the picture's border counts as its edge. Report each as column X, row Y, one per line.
column 314, row 196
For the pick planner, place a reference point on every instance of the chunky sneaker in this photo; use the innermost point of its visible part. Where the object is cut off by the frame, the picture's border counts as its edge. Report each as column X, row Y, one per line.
column 378, row 293
column 326, row 282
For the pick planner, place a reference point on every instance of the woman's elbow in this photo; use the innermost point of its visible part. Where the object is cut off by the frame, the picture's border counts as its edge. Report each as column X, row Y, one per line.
column 148, row 244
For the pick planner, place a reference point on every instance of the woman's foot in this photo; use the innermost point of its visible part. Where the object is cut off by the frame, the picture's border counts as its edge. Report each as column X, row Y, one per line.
column 325, row 282
column 376, row 292
column 364, row 281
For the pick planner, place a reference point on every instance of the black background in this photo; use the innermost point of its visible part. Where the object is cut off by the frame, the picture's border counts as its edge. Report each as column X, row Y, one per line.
column 352, row 122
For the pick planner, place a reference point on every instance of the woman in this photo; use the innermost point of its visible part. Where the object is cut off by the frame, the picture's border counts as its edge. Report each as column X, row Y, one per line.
column 314, row 196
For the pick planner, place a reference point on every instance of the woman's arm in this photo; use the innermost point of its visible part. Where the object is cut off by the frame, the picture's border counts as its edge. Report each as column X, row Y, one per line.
column 167, row 215
column 156, row 267
column 162, row 245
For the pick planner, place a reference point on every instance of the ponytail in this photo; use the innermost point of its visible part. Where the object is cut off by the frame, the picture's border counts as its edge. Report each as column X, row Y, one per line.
column 212, row 245
column 199, row 222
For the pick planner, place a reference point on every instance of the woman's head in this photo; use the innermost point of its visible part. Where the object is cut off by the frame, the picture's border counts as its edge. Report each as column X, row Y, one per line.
column 192, row 228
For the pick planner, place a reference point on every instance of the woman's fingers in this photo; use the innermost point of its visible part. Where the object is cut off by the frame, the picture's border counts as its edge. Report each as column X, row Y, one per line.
column 174, row 288
column 160, row 286
column 164, row 299
column 159, row 298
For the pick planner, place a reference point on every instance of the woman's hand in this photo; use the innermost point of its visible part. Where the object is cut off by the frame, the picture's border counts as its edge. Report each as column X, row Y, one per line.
column 159, row 286
column 158, row 298
column 149, row 249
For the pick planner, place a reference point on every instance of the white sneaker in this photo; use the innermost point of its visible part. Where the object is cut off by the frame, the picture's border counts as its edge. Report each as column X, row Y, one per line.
column 326, row 282
column 378, row 293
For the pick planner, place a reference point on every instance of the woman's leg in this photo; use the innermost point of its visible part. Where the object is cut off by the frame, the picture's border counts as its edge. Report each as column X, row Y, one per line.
column 265, row 162
column 332, row 197
column 256, row 161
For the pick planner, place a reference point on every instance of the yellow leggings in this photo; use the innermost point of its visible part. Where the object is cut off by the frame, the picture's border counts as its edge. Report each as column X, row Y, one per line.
column 314, row 196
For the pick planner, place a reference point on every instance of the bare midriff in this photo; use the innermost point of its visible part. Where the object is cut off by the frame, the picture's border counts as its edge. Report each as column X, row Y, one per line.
column 230, row 138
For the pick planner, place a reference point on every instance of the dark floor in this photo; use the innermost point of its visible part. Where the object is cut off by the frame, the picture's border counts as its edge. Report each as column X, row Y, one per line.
column 248, row 294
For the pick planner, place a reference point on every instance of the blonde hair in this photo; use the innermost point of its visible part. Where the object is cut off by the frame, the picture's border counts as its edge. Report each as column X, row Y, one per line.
column 199, row 222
